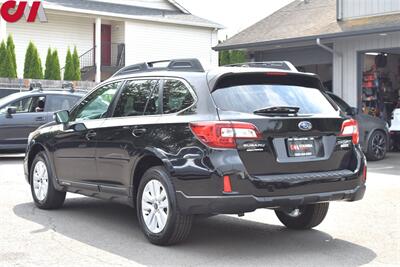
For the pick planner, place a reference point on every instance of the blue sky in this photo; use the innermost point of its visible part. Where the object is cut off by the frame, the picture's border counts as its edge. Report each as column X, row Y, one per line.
column 234, row 15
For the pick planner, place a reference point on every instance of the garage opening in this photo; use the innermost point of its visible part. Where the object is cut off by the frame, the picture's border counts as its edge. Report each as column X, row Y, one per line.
column 380, row 83
column 324, row 71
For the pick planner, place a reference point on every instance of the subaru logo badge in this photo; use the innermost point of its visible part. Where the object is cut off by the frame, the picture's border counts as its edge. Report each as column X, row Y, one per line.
column 305, row 126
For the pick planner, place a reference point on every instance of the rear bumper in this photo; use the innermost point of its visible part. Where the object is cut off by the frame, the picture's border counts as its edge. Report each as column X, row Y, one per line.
column 246, row 203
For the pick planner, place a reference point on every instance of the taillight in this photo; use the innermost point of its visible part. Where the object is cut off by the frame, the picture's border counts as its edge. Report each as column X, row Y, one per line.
column 350, row 128
column 223, row 134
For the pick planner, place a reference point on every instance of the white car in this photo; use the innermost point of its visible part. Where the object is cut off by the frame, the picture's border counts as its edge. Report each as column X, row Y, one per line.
column 395, row 128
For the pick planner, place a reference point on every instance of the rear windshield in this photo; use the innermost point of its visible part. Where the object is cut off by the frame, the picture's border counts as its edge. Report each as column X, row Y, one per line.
column 248, row 98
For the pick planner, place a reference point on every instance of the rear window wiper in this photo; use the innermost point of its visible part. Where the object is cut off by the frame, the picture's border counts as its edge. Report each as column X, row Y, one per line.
column 278, row 111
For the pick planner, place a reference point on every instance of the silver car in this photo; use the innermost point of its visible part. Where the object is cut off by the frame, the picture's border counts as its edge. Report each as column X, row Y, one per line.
column 22, row 113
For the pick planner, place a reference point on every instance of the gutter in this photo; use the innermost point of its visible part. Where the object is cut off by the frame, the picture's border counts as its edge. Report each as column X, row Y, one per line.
column 221, row 46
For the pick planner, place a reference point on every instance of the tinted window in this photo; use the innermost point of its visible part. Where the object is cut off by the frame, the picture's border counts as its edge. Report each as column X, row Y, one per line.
column 60, row 102
column 249, row 98
column 138, row 98
column 176, row 97
column 95, row 106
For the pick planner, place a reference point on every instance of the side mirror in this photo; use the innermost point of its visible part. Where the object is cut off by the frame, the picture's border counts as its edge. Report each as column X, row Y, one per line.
column 11, row 111
column 352, row 111
column 61, row 117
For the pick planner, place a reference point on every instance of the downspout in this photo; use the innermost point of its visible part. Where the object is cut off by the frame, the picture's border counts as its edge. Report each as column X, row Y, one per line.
column 333, row 52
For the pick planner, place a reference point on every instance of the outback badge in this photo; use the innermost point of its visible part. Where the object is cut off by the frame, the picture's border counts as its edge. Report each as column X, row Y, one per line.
column 305, row 126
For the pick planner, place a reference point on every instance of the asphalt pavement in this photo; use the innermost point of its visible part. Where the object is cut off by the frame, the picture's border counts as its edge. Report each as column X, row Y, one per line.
column 90, row 232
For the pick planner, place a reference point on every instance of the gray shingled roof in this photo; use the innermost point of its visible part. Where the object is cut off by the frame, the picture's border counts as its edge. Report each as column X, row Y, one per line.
column 300, row 21
column 130, row 10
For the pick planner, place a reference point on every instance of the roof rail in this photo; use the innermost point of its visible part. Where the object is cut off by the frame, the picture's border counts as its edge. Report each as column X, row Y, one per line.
column 188, row 65
column 280, row 65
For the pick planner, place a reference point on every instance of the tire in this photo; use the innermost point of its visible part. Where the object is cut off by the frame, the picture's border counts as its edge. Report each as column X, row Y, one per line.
column 159, row 218
column 377, row 146
column 308, row 217
column 44, row 197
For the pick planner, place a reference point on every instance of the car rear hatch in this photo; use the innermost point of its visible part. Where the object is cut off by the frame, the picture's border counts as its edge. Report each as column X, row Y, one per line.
column 300, row 130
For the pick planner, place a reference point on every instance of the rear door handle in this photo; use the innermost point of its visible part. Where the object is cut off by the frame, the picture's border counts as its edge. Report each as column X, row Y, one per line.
column 138, row 132
column 40, row 118
column 90, row 135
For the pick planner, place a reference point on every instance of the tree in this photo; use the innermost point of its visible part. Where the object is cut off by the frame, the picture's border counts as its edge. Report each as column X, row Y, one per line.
column 28, row 59
column 69, row 72
column 224, row 58
column 48, row 73
column 6, row 65
column 3, row 56
column 56, row 66
column 237, row 56
column 77, row 65
column 11, row 49
column 33, row 64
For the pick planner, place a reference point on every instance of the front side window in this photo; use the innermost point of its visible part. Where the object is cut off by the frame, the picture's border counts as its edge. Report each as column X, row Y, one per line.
column 27, row 105
column 138, row 98
column 176, row 97
column 95, row 106
column 22, row 105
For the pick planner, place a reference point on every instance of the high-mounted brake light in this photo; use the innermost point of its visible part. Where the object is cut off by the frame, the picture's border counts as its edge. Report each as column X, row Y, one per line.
column 276, row 74
column 223, row 134
column 350, row 128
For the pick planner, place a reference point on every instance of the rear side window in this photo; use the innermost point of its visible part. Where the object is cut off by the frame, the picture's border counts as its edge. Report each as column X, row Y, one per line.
column 176, row 97
column 249, row 95
column 60, row 102
column 138, row 98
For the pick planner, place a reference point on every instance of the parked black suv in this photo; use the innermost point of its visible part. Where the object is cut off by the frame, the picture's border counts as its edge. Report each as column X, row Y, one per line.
column 177, row 141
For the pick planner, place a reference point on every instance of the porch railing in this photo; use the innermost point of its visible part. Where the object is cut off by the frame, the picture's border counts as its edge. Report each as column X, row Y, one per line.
column 113, row 55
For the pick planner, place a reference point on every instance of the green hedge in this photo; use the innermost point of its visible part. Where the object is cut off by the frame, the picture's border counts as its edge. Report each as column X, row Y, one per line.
column 33, row 64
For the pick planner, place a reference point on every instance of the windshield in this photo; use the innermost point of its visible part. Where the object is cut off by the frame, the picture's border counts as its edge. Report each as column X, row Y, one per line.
column 250, row 98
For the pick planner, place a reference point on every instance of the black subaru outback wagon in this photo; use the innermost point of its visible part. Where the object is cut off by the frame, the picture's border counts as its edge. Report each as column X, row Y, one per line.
column 177, row 141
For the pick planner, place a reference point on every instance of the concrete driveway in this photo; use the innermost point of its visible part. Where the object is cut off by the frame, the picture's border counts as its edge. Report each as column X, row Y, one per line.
column 89, row 232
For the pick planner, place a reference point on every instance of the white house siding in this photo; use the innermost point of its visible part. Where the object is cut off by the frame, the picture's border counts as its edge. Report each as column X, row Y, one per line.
column 158, row 4
column 345, row 68
column 117, row 37
column 147, row 41
column 361, row 8
column 60, row 32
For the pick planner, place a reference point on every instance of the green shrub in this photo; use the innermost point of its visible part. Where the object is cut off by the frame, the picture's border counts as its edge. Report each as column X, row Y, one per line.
column 11, row 49
column 33, row 64
column 238, row 56
column 69, row 72
column 56, row 66
column 49, row 65
column 224, row 58
column 77, row 65
column 227, row 57
column 6, row 65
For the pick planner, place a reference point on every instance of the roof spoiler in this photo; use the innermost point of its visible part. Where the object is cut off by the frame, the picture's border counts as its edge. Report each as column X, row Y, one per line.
column 187, row 65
